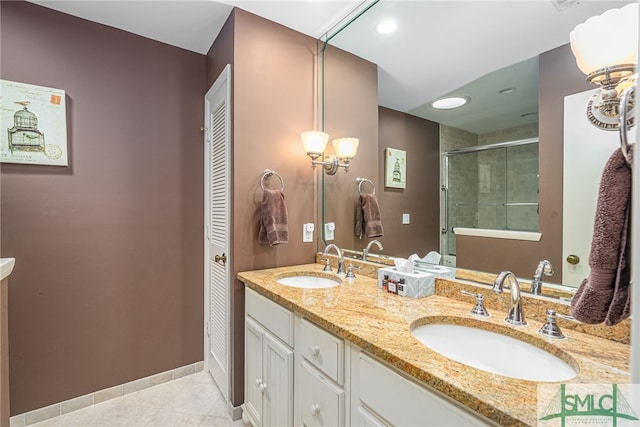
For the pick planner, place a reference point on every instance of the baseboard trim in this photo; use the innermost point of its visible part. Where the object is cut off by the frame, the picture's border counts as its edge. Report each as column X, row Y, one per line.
column 235, row 412
column 57, row 409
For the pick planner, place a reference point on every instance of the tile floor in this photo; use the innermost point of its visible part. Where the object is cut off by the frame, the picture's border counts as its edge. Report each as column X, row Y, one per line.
column 191, row 401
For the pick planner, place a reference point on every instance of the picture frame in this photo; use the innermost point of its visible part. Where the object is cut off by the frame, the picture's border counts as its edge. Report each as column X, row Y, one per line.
column 34, row 122
column 395, row 175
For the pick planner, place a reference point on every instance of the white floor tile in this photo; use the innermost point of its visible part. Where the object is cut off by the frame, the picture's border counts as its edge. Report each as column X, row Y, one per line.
column 191, row 401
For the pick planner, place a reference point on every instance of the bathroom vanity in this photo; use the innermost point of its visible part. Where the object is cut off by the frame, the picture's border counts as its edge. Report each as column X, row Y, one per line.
column 345, row 355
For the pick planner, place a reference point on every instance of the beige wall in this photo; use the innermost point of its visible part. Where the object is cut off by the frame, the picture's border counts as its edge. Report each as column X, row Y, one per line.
column 420, row 199
column 351, row 110
column 273, row 102
column 107, row 286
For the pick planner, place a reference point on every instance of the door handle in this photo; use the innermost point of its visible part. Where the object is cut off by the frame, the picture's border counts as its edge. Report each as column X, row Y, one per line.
column 222, row 258
column 573, row 259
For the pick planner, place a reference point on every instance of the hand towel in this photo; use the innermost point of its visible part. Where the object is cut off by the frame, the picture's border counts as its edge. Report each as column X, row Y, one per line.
column 274, row 219
column 368, row 218
column 604, row 295
column 359, row 226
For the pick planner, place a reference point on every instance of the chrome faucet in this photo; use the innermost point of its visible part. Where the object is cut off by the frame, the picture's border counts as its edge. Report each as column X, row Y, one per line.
column 515, row 315
column 366, row 250
column 340, row 256
column 544, row 267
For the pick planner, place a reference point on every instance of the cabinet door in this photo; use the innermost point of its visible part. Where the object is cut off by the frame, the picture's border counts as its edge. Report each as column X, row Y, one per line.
column 321, row 403
column 277, row 385
column 253, row 380
column 367, row 419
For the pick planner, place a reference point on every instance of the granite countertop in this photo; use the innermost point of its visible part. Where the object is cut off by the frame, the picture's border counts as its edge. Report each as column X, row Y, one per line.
column 380, row 323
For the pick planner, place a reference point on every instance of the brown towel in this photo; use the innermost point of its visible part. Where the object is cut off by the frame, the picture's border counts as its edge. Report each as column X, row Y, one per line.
column 604, row 295
column 274, row 228
column 368, row 219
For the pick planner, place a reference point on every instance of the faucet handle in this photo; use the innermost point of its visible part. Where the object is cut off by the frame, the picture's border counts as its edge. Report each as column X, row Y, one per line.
column 477, row 309
column 350, row 273
column 327, row 265
column 551, row 329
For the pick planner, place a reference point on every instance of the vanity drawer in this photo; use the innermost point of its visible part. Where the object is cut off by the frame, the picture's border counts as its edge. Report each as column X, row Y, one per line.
column 322, row 349
column 272, row 316
column 321, row 402
column 402, row 402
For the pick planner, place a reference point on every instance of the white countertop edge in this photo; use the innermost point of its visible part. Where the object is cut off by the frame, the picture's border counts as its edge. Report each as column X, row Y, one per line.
column 6, row 267
column 498, row 234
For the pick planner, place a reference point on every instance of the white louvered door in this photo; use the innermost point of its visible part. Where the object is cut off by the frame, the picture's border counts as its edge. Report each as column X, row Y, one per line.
column 217, row 231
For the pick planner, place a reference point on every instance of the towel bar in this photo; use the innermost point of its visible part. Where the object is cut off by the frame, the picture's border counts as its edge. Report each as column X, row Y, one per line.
column 267, row 173
column 361, row 181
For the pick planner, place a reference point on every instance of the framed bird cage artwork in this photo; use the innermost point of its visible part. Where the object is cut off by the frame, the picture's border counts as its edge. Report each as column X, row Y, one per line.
column 395, row 173
column 34, row 124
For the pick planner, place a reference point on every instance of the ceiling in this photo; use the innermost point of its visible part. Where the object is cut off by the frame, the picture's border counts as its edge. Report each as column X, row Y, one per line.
column 439, row 47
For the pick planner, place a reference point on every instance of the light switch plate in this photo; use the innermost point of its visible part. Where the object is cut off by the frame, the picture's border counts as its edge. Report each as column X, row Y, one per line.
column 406, row 219
column 307, row 232
column 329, row 231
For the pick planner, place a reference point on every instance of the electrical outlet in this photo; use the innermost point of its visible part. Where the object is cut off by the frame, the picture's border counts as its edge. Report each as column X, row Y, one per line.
column 307, row 232
column 329, row 231
column 406, row 219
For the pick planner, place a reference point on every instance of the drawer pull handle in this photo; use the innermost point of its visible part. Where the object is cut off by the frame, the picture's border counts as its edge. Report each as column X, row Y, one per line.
column 315, row 410
column 258, row 382
column 315, row 351
column 262, row 387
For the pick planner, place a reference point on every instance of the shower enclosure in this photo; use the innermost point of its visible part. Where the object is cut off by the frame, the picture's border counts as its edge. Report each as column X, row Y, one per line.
column 489, row 187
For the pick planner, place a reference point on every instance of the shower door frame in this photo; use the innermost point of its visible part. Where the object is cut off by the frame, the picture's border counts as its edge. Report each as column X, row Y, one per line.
column 444, row 187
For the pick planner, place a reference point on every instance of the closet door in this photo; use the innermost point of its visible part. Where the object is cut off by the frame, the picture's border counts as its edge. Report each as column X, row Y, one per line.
column 217, row 230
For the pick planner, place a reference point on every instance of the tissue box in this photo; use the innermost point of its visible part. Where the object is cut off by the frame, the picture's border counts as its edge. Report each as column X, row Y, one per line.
column 418, row 284
column 438, row 270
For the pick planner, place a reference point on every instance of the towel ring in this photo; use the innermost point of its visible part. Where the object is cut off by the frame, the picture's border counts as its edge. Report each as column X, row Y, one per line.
column 625, row 123
column 267, row 173
column 361, row 181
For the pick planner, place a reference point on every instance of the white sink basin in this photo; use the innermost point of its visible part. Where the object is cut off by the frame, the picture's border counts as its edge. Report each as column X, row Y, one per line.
column 493, row 352
column 308, row 282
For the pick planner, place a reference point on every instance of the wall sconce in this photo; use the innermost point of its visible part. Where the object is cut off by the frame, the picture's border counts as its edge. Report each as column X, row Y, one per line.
column 314, row 143
column 606, row 49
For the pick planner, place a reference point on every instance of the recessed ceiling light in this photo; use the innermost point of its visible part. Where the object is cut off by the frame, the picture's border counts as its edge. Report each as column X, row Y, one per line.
column 387, row 26
column 449, row 103
column 507, row 90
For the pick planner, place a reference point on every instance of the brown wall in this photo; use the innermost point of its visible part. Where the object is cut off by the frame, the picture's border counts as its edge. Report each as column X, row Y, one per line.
column 273, row 102
column 420, row 139
column 558, row 77
column 107, row 286
column 351, row 110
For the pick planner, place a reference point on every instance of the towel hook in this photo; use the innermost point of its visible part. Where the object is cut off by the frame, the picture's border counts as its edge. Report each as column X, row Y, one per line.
column 267, row 173
column 361, row 181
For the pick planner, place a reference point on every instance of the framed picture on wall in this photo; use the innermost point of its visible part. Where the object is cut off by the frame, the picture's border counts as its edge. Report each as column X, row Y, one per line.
column 34, row 122
column 395, row 168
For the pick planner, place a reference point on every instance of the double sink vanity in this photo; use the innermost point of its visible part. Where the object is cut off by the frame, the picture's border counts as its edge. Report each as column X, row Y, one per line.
column 322, row 349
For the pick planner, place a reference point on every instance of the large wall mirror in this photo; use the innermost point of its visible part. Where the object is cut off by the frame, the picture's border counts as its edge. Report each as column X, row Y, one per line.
column 511, row 61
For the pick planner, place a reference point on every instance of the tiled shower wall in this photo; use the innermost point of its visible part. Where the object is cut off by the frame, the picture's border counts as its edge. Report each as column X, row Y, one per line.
column 479, row 183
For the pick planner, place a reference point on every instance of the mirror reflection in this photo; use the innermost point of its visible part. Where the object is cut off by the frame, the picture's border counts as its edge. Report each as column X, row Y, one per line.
column 515, row 79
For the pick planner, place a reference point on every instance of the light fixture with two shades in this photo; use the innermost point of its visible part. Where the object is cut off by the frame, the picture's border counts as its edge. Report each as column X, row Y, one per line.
column 314, row 144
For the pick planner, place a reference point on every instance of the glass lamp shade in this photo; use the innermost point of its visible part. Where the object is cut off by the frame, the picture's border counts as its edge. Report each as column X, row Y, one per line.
column 346, row 148
column 314, row 142
column 606, row 40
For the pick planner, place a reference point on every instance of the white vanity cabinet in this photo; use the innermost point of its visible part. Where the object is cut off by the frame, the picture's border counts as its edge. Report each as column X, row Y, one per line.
column 381, row 396
column 335, row 382
column 320, row 373
column 268, row 362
